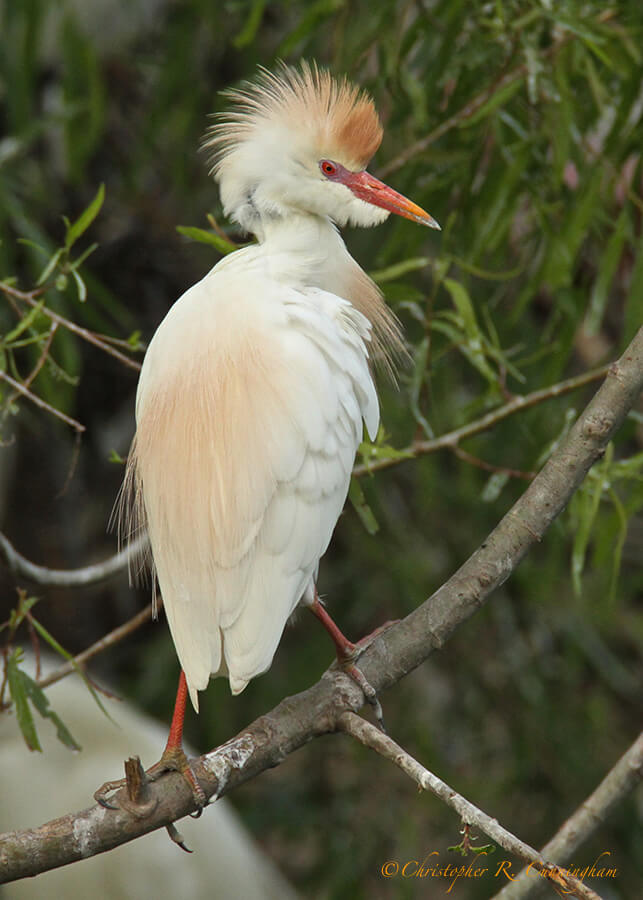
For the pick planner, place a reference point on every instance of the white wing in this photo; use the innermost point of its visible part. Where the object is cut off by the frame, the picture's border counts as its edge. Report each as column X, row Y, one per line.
column 249, row 413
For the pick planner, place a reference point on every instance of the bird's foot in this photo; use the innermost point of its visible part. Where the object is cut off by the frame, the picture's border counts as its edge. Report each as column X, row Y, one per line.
column 136, row 780
column 348, row 653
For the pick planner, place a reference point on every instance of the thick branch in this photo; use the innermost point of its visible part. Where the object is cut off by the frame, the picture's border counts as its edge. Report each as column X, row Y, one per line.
column 296, row 720
column 376, row 740
column 617, row 784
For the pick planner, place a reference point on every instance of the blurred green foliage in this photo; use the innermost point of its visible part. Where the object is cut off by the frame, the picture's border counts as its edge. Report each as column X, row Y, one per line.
column 518, row 125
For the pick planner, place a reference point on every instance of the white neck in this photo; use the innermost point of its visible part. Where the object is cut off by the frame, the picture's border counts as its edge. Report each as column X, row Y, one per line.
column 308, row 251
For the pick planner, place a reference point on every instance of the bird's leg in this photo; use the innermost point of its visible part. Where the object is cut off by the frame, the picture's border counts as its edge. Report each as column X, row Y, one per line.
column 173, row 758
column 348, row 653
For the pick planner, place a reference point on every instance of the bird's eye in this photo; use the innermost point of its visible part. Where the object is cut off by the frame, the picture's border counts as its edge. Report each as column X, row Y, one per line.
column 328, row 167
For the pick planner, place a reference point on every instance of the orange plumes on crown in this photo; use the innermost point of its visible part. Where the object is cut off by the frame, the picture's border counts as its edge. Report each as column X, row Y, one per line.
column 338, row 118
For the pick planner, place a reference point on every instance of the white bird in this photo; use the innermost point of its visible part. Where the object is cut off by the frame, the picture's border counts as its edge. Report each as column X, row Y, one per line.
column 255, row 386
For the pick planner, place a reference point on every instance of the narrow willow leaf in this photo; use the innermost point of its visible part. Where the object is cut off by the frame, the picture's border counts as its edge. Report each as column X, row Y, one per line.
column 24, row 323
column 463, row 304
column 41, row 703
column 617, row 550
column 586, row 510
column 375, row 452
column 206, row 237
column 80, row 286
column 391, row 273
column 85, row 219
column 607, row 269
column 634, row 299
column 53, row 643
column 363, row 510
column 498, row 98
column 49, row 268
column 250, row 27
column 19, row 695
column 420, row 362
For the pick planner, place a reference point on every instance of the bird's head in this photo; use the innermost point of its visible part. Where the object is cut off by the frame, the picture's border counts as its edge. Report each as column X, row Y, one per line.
column 298, row 141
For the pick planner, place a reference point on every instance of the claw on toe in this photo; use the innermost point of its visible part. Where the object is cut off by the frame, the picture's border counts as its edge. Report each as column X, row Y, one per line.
column 100, row 796
column 137, row 780
column 367, row 689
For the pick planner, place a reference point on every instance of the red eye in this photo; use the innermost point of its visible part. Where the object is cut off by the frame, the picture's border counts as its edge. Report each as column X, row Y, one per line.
column 328, row 167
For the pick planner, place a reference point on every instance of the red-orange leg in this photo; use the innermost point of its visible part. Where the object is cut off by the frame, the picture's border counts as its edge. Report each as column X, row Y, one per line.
column 347, row 653
column 173, row 758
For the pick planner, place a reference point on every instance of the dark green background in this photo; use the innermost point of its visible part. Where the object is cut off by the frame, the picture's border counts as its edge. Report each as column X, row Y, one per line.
column 538, row 190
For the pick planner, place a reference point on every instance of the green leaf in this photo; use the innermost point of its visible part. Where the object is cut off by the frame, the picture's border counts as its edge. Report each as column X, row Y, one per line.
column 370, row 452
column 363, row 510
column 420, row 363
column 206, row 237
column 49, row 268
column 53, row 643
column 80, row 286
column 588, row 499
column 498, row 97
column 464, row 306
column 607, row 270
column 19, row 695
column 249, row 31
column 41, row 703
column 392, row 273
column 85, row 219
column 25, row 323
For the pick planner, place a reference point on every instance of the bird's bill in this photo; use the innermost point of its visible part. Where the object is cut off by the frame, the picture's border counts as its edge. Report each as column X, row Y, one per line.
column 371, row 190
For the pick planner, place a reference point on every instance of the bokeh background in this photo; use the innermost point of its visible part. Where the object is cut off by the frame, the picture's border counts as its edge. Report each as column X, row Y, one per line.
column 518, row 125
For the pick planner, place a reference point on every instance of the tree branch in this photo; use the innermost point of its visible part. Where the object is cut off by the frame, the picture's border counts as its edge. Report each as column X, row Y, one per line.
column 373, row 738
column 580, row 826
column 394, row 653
column 89, row 336
column 21, row 389
column 20, row 565
column 451, row 439
column 113, row 637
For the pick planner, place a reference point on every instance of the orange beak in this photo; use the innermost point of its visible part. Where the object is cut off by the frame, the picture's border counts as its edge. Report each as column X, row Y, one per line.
column 369, row 189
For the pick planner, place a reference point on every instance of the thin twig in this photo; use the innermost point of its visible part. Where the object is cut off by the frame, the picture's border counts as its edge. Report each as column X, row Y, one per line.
column 118, row 634
column 372, row 737
column 39, row 364
column 84, row 333
column 20, row 565
column 581, row 825
column 488, row 467
column 452, row 438
column 21, row 389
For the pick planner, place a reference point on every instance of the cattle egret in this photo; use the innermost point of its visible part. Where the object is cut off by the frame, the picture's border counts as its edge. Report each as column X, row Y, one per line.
column 255, row 386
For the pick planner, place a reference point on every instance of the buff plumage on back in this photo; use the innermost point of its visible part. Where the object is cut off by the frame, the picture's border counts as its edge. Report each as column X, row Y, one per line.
column 333, row 114
column 254, row 388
